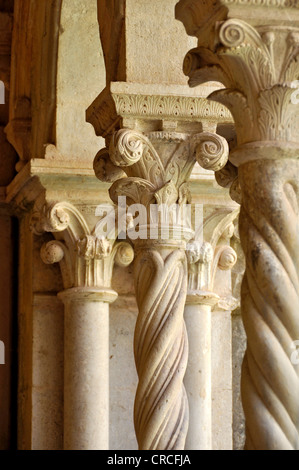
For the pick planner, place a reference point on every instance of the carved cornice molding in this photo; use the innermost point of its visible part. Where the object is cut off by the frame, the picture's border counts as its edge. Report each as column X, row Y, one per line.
column 170, row 107
column 121, row 101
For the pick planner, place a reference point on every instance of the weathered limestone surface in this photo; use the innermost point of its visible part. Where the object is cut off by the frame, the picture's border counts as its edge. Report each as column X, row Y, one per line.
column 86, row 370
column 123, row 375
column 80, row 74
column 47, row 121
column 47, row 374
column 129, row 32
column 238, row 350
column 256, row 58
column 222, row 381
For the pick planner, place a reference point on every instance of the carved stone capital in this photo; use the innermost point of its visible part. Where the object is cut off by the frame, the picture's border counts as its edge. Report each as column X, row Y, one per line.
column 203, row 262
column 205, row 258
column 154, row 168
column 257, row 64
column 86, row 260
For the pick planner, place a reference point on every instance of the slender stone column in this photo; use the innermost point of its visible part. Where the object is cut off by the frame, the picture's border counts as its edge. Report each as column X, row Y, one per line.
column 203, row 262
column 258, row 64
column 86, row 368
column 86, row 263
column 198, row 378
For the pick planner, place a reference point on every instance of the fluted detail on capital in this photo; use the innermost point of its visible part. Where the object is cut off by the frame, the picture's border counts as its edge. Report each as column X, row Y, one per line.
column 161, row 351
column 269, row 223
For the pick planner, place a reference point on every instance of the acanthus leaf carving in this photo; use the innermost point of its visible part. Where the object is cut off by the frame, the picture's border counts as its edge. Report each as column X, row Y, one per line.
column 267, row 160
column 137, row 190
column 278, row 117
column 92, row 247
column 167, row 195
column 155, row 162
column 86, row 260
column 258, row 82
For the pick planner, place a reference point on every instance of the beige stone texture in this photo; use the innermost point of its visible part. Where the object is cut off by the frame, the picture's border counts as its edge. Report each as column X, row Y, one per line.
column 47, row 379
column 238, row 350
column 222, row 433
column 123, row 375
column 80, row 76
column 198, row 377
column 145, row 56
column 86, row 371
column 265, row 180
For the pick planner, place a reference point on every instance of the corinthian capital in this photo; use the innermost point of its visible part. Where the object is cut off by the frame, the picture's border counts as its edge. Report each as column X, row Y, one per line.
column 154, row 168
column 257, row 62
column 86, row 258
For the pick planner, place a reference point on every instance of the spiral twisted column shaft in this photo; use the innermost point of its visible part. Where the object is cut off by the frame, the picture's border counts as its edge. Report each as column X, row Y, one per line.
column 161, row 348
column 269, row 229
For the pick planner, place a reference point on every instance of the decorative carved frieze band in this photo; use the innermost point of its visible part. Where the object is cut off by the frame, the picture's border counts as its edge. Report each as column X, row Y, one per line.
column 111, row 106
